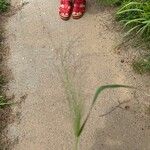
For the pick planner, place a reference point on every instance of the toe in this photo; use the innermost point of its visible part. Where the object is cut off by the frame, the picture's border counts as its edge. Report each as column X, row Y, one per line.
column 64, row 14
column 77, row 14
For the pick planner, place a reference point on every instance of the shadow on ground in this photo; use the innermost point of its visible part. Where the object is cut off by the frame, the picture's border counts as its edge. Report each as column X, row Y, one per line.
column 128, row 131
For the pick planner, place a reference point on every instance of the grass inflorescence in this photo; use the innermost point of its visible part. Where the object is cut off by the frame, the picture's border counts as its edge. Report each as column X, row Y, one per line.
column 76, row 105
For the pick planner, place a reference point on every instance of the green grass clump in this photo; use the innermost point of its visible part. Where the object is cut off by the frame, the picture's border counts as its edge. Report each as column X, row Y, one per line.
column 142, row 65
column 135, row 17
column 3, row 100
column 4, row 4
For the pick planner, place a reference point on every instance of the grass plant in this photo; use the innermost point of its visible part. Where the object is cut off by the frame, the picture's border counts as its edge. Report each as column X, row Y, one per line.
column 76, row 106
column 4, row 4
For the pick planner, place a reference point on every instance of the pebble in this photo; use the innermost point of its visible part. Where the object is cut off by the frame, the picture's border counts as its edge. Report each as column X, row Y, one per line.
column 122, row 60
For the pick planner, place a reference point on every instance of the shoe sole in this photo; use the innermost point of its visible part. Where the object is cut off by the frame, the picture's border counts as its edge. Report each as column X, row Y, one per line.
column 65, row 18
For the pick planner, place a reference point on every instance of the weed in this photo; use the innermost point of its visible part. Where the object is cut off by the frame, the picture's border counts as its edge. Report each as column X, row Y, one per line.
column 136, row 18
column 3, row 99
column 142, row 65
column 76, row 106
column 98, row 92
column 4, row 111
column 4, row 4
column 2, row 79
column 3, row 102
column 134, row 15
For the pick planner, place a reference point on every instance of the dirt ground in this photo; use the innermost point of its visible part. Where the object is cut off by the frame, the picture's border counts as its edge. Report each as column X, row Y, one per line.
column 39, row 41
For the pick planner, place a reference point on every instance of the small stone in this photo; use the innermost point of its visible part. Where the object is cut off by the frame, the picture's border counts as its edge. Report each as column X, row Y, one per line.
column 122, row 60
column 1, row 58
column 127, row 107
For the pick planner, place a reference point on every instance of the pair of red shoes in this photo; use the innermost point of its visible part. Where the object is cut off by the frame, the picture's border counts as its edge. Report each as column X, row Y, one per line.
column 77, row 9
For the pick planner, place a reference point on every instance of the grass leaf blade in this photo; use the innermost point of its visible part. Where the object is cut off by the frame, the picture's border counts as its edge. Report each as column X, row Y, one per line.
column 98, row 92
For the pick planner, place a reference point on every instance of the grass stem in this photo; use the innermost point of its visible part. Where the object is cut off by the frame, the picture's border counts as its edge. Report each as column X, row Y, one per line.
column 76, row 143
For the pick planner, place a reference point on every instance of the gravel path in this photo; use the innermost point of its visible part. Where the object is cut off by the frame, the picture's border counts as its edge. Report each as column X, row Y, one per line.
column 39, row 41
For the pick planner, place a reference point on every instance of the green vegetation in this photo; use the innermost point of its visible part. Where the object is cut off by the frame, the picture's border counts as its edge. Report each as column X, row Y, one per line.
column 99, row 90
column 2, row 98
column 4, row 111
column 3, row 5
column 76, row 104
column 142, row 65
column 134, row 15
column 2, row 78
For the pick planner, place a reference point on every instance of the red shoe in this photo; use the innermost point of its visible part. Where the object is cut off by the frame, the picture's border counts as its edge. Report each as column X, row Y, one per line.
column 65, row 9
column 78, row 9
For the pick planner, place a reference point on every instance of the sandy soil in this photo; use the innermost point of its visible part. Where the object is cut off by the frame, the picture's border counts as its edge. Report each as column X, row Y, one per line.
column 38, row 41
